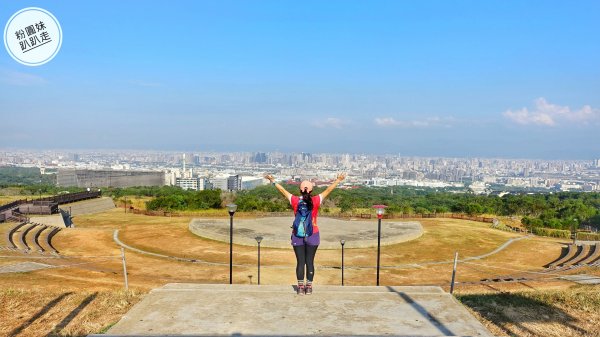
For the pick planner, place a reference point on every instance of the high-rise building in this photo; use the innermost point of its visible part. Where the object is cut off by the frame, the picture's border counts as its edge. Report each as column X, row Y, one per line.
column 260, row 157
column 234, row 183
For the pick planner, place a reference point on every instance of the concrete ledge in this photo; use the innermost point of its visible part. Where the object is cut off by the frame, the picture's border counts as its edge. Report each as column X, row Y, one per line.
column 247, row 310
column 286, row 289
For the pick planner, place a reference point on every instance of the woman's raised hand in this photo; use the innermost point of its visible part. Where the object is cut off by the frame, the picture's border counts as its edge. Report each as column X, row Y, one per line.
column 269, row 177
column 341, row 176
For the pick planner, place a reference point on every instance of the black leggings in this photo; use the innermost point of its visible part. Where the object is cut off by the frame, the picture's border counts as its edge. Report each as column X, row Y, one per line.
column 305, row 255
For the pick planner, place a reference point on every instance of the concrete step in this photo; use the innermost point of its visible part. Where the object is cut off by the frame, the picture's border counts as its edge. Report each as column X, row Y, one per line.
column 251, row 310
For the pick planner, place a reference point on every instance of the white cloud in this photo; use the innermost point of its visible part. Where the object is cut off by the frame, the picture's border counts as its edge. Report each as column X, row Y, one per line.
column 20, row 78
column 547, row 114
column 331, row 122
column 422, row 123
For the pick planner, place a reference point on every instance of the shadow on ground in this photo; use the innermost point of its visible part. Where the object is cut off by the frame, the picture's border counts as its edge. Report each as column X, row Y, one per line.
column 519, row 315
column 41, row 315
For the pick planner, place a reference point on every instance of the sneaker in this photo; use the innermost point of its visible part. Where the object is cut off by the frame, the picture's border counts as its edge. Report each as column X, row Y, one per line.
column 308, row 290
column 300, row 289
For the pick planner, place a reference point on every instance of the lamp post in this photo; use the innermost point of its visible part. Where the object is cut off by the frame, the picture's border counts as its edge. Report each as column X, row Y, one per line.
column 575, row 231
column 258, row 240
column 342, row 242
column 231, row 208
column 380, row 210
column 125, row 207
column 40, row 201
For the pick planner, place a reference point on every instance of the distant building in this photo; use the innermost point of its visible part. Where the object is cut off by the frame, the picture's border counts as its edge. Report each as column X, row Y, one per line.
column 249, row 183
column 196, row 184
column 234, row 183
column 260, row 158
column 478, row 187
column 219, row 183
column 598, row 163
column 108, row 178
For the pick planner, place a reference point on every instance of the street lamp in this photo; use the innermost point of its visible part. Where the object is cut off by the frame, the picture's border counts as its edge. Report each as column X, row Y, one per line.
column 380, row 210
column 231, row 208
column 575, row 231
column 258, row 240
column 342, row 242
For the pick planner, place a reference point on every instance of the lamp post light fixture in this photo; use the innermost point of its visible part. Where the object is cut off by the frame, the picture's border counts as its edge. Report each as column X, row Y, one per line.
column 380, row 210
column 231, row 208
column 342, row 242
column 258, row 240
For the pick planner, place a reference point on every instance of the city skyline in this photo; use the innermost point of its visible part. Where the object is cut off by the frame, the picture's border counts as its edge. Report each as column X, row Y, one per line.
column 201, row 170
column 195, row 150
column 501, row 79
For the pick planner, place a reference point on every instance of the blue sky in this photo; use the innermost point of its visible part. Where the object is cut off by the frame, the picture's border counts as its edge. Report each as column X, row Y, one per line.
column 427, row 78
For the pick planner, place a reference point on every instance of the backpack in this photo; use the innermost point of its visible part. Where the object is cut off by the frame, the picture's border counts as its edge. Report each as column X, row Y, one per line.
column 303, row 226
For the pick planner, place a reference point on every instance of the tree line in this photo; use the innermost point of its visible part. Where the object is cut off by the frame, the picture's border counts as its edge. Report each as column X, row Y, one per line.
column 551, row 210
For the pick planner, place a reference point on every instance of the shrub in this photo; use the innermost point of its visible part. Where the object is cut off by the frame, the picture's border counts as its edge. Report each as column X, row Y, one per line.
column 588, row 236
column 554, row 233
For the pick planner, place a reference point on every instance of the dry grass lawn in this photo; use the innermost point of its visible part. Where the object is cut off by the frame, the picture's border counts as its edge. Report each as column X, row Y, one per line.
column 566, row 312
column 61, row 312
column 91, row 269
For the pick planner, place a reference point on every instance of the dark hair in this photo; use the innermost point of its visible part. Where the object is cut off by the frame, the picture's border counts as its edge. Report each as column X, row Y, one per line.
column 307, row 197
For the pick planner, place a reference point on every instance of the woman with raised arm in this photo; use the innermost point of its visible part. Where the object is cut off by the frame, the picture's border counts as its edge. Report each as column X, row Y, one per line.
column 305, row 233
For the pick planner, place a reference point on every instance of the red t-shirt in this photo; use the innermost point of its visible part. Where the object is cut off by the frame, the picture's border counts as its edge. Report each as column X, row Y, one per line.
column 294, row 199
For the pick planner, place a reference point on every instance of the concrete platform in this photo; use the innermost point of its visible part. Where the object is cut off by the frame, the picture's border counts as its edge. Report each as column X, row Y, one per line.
column 250, row 310
column 90, row 206
column 276, row 231
column 55, row 220
column 582, row 279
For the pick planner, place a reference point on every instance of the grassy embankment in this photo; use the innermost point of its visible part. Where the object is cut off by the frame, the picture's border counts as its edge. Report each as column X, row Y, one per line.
column 93, row 237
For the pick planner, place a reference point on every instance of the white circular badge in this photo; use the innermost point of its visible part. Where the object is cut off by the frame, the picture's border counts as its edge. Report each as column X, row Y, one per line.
column 32, row 36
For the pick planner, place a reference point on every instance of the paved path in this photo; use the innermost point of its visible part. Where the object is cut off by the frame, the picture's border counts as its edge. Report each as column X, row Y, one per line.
column 402, row 266
column 23, row 267
column 276, row 231
column 246, row 310
column 181, row 259
column 478, row 257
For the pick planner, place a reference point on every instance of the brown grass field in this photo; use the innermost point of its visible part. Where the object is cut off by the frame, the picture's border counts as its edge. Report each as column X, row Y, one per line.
column 84, row 293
